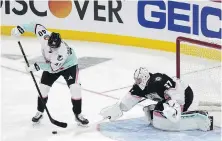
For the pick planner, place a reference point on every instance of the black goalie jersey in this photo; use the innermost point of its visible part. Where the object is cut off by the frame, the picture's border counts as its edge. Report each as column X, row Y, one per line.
column 155, row 87
column 161, row 87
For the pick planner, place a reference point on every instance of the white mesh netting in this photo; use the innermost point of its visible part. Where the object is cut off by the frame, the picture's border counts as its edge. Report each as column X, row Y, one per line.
column 200, row 66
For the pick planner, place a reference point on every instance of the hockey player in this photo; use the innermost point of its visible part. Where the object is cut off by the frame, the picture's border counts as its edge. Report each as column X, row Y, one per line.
column 59, row 60
column 173, row 99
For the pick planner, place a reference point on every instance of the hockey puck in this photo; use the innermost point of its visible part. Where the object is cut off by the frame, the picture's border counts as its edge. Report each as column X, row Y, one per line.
column 54, row 132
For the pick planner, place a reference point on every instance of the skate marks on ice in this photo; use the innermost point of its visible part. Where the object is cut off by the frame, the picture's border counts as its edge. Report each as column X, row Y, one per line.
column 12, row 56
column 138, row 130
column 84, row 62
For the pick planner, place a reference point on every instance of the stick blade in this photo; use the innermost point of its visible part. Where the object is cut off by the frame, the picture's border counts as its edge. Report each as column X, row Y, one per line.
column 60, row 124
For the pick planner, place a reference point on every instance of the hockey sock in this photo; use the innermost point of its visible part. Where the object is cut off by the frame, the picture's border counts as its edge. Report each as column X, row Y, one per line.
column 77, row 106
column 40, row 107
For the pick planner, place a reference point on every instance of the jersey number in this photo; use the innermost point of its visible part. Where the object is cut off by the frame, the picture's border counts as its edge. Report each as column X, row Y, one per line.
column 41, row 33
column 168, row 84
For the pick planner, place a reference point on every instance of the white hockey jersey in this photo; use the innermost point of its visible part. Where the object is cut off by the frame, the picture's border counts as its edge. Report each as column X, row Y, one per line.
column 55, row 60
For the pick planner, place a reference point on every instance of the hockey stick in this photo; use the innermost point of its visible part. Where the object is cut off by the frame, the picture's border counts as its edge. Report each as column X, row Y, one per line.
column 53, row 121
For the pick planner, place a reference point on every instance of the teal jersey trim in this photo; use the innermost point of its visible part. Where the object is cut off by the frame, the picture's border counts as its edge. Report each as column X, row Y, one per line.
column 196, row 115
column 29, row 27
column 70, row 61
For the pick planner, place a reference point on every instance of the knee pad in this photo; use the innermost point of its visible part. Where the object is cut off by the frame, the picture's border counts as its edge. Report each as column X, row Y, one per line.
column 75, row 90
column 44, row 90
column 128, row 102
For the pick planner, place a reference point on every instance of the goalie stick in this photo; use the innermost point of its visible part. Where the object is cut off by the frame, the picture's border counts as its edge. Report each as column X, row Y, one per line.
column 53, row 121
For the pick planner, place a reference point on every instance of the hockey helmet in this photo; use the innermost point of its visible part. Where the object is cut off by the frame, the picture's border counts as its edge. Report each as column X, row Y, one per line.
column 141, row 75
column 54, row 40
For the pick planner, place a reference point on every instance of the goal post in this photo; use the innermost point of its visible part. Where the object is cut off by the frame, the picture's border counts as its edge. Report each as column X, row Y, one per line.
column 198, row 62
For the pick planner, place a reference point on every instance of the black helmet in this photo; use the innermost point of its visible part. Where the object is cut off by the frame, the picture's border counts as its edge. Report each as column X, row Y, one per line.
column 54, row 40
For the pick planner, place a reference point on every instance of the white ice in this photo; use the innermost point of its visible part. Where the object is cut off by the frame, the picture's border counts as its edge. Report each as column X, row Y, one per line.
column 99, row 85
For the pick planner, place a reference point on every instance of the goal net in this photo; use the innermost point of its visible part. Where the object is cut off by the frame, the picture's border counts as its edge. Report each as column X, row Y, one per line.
column 198, row 63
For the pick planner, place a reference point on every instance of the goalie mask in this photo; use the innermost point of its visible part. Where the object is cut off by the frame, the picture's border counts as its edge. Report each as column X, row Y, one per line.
column 141, row 76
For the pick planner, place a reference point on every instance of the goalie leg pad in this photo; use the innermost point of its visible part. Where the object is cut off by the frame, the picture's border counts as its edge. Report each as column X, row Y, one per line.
column 129, row 101
column 192, row 120
column 112, row 112
column 204, row 121
column 125, row 104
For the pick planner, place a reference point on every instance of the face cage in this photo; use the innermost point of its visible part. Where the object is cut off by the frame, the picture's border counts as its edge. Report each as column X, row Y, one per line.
column 137, row 80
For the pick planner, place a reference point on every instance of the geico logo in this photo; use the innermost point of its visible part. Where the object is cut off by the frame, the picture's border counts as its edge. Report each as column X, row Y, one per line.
column 197, row 19
column 63, row 8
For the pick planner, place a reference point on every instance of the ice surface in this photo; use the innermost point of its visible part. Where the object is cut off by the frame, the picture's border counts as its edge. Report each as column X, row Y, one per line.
column 100, row 83
column 137, row 129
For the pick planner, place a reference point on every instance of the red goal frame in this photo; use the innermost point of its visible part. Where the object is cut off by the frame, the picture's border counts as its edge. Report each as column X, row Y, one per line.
column 193, row 41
